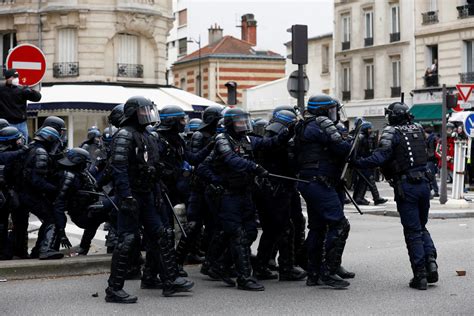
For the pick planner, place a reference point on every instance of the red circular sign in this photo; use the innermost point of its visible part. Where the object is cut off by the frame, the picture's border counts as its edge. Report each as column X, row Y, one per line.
column 30, row 63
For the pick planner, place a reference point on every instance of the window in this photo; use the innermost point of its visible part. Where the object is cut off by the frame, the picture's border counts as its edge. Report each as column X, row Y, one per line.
column 395, row 13
column 369, row 76
column 325, row 59
column 433, row 6
column 183, row 17
column 468, row 75
column 395, row 72
column 369, row 24
column 128, row 49
column 346, row 28
column 183, row 47
column 346, row 78
column 67, row 46
column 182, row 84
column 7, row 42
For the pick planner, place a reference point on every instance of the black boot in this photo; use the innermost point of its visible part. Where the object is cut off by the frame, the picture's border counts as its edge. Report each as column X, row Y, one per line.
column 431, row 269
column 172, row 282
column 111, row 239
column 182, row 250
column 115, row 293
column 86, row 241
column 48, row 249
column 419, row 280
column 136, row 261
column 375, row 192
column 240, row 247
column 262, row 272
column 333, row 280
column 313, row 279
column 217, row 247
column 150, row 280
column 286, row 260
column 340, row 232
column 343, row 273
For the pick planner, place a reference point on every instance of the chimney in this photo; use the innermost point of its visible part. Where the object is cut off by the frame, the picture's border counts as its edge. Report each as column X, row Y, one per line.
column 249, row 29
column 215, row 34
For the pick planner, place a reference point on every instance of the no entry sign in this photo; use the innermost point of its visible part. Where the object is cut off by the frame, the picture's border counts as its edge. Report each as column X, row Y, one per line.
column 30, row 63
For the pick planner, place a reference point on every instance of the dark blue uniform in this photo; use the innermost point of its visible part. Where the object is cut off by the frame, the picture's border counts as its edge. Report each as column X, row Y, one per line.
column 320, row 154
column 402, row 156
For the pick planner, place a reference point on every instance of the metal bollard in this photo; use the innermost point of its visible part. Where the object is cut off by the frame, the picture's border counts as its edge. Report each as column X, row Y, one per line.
column 460, row 147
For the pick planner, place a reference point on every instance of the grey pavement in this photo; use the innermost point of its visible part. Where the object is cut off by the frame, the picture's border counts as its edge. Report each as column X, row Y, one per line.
column 375, row 251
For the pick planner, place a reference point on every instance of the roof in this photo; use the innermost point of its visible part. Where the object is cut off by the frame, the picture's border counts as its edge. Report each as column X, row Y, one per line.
column 230, row 47
column 104, row 97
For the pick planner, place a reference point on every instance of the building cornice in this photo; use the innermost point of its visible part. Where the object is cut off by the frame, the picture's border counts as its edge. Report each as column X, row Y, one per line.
column 439, row 29
column 230, row 56
column 371, row 48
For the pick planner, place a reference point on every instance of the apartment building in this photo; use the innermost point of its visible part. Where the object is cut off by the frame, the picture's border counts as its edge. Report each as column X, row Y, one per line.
column 374, row 55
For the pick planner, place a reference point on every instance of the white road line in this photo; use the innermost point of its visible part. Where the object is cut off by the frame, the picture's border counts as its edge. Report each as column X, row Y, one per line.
column 26, row 65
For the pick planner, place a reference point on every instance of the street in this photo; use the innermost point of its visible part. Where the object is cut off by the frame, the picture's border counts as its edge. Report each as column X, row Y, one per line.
column 375, row 251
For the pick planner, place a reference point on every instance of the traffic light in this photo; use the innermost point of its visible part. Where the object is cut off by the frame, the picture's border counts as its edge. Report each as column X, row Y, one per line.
column 451, row 100
column 299, row 44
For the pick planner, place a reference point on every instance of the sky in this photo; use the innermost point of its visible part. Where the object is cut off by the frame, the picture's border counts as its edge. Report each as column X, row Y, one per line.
column 273, row 17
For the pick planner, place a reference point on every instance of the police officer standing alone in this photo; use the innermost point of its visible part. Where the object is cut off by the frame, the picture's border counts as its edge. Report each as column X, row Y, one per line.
column 403, row 158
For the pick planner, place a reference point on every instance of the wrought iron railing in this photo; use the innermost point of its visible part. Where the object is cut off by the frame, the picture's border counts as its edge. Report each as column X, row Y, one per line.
column 369, row 41
column 61, row 70
column 368, row 94
column 396, row 92
column 430, row 17
column 394, row 37
column 466, row 77
column 465, row 11
column 130, row 70
column 346, row 45
column 346, row 95
column 431, row 81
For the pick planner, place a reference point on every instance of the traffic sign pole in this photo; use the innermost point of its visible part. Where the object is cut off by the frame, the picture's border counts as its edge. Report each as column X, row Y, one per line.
column 443, row 189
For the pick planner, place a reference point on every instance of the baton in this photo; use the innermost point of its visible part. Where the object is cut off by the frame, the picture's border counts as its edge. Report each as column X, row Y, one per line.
column 364, row 178
column 174, row 214
column 352, row 200
column 287, row 178
column 100, row 194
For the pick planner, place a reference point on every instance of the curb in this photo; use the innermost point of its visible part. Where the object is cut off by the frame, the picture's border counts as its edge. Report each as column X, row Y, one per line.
column 431, row 215
column 68, row 266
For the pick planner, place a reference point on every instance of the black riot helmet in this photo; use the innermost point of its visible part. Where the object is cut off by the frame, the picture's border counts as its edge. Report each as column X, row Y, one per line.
column 55, row 122
column 284, row 107
column 193, row 125
column 10, row 137
column 237, row 121
column 93, row 133
column 211, row 116
column 323, row 105
column 3, row 123
column 76, row 157
column 259, row 126
column 48, row 135
column 342, row 129
column 116, row 115
column 397, row 113
column 365, row 127
column 173, row 119
column 108, row 134
column 280, row 120
column 142, row 108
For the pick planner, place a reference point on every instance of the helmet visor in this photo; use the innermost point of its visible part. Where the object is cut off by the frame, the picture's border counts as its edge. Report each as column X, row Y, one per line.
column 147, row 115
column 332, row 114
column 242, row 124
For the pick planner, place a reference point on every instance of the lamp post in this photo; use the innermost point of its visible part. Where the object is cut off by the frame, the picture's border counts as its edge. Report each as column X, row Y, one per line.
column 199, row 51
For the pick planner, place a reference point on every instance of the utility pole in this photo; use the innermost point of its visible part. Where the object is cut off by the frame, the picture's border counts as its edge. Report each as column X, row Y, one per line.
column 443, row 194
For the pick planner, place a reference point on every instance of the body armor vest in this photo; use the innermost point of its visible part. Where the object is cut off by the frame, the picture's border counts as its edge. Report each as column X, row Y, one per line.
column 410, row 152
column 309, row 153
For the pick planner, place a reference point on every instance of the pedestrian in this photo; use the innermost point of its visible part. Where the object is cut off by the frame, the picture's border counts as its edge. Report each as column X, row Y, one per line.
column 403, row 158
column 13, row 98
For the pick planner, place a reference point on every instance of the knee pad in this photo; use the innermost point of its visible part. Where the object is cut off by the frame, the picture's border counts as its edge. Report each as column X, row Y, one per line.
column 126, row 242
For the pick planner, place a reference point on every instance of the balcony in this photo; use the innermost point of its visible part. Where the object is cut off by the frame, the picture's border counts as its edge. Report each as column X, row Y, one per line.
column 465, row 11
column 394, row 37
column 430, row 17
column 346, row 45
column 431, row 80
column 368, row 94
column 130, row 70
column 396, row 92
column 346, row 95
column 62, row 70
column 466, row 77
column 6, row 2
column 369, row 41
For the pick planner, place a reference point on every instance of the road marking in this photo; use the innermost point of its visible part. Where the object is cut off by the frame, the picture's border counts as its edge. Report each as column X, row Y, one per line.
column 26, row 65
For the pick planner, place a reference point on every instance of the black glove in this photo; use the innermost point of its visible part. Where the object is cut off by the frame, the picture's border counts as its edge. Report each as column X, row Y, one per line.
column 261, row 172
column 63, row 240
column 129, row 205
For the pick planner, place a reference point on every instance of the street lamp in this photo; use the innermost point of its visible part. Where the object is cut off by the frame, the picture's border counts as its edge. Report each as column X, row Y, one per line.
column 200, row 75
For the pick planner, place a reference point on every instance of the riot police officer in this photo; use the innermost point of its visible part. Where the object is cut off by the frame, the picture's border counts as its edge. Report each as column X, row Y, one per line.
column 134, row 166
column 320, row 155
column 403, row 157
column 93, row 142
column 192, row 126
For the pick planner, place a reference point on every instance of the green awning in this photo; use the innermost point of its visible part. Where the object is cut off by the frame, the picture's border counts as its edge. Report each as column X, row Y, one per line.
column 429, row 113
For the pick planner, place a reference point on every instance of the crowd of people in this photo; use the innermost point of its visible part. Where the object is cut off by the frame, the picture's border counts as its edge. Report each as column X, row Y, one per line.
column 226, row 173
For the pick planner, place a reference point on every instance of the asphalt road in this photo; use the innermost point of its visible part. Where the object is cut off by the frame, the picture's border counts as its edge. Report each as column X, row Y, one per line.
column 375, row 251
